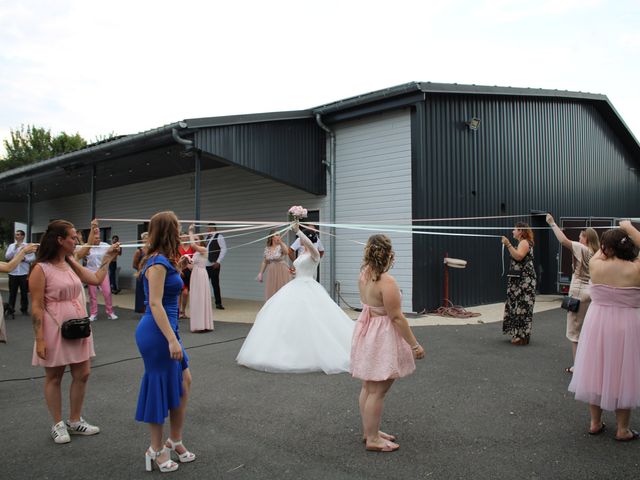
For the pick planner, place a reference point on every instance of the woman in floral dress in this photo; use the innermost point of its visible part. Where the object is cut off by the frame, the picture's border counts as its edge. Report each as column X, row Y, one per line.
column 521, row 286
column 275, row 265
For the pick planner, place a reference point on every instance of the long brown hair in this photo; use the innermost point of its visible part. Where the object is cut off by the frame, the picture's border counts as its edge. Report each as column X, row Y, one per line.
column 272, row 233
column 378, row 256
column 593, row 242
column 527, row 233
column 49, row 246
column 164, row 238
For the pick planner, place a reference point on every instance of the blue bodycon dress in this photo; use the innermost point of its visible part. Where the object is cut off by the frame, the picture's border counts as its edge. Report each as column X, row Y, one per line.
column 161, row 386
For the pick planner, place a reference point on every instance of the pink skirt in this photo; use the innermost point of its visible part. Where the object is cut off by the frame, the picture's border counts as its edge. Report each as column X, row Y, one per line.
column 378, row 351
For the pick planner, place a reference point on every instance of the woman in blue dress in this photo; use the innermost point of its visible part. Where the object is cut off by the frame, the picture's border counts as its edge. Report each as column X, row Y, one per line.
column 164, row 389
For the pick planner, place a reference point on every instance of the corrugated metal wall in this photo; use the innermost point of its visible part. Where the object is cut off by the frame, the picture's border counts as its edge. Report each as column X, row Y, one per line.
column 373, row 184
column 289, row 151
column 227, row 194
column 528, row 154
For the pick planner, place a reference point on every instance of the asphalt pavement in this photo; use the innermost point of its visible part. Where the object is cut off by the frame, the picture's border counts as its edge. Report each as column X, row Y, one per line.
column 476, row 408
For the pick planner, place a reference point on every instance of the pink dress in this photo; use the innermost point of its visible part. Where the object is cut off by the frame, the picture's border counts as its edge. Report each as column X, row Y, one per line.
column 277, row 271
column 63, row 301
column 200, row 308
column 607, row 366
column 378, row 351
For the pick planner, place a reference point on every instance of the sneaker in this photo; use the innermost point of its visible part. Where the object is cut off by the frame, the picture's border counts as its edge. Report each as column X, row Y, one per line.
column 93, row 318
column 59, row 433
column 219, row 306
column 82, row 428
column 112, row 316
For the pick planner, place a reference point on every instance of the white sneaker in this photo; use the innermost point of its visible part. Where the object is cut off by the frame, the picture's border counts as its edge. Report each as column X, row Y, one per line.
column 59, row 433
column 93, row 318
column 112, row 316
column 82, row 428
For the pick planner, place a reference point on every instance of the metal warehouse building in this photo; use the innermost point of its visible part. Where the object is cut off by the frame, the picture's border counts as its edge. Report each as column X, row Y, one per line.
column 400, row 155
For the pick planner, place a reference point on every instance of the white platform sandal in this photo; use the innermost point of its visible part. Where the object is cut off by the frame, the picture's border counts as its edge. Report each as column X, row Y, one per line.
column 151, row 457
column 185, row 457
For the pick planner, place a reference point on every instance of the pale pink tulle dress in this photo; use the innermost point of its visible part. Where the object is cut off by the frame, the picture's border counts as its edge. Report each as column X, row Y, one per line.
column 63, row 300
column 607, row 366
column 200, row 309
column 378, row 351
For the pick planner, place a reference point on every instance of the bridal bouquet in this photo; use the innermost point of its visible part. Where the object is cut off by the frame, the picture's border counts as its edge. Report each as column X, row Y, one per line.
column 296, row 213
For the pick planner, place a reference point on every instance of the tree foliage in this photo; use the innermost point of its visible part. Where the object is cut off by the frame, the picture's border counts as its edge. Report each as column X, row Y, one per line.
column 32, row 144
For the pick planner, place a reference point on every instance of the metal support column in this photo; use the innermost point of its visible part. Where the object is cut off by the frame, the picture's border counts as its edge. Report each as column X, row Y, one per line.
column 196, row 183
column 29, row 211
column 93, row 192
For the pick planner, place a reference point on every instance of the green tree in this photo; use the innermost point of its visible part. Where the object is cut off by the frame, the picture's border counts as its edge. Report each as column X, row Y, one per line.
column 32, row 144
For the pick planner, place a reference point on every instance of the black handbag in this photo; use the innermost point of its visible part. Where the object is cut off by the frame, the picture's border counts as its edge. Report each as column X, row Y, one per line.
column 514, row 273
column 76, row 328
column 570, row 304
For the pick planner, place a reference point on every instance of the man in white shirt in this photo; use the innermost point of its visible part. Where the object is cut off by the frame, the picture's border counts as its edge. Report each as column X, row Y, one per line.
column 18, row 278
column 217, row 248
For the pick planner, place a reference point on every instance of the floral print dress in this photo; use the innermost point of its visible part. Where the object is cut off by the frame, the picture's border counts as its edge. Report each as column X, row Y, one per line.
column 521, row 296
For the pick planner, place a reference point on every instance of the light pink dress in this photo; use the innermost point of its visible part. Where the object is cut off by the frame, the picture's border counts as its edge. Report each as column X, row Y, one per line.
column 3, row 328
column 200, row 308
column 378, row 351
column 63, row 301
column 607, row 366
column 277, row 271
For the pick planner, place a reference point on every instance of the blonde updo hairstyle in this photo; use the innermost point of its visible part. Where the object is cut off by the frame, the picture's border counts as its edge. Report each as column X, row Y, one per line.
column 378, row 256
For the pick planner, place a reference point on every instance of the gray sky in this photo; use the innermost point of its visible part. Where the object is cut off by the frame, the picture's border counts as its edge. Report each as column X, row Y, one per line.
column 127, row 66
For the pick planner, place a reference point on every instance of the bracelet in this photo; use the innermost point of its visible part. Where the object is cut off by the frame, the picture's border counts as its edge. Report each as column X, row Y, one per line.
column 416, row 347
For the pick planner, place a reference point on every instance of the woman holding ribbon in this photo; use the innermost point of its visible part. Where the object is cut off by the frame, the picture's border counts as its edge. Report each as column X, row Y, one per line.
column 274, row 264
column 521, row 286
column 383, row 346
column 608, row 358
column 581, row 252
column 55, row 284
column 300, row 328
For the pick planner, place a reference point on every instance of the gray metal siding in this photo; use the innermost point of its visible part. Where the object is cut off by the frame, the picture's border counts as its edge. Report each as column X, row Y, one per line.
column 528, row 154
column 291, row 152
column 373, row 184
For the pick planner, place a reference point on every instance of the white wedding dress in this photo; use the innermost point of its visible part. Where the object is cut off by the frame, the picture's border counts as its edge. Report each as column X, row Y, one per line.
column 300, row 329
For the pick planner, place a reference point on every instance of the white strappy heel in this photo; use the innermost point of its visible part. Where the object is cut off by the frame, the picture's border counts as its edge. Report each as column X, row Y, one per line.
column 185, row 457
column 151, row 456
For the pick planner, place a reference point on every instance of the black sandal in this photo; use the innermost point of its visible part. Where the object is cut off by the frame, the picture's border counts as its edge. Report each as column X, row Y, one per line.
column 599, row 431
column 634, row 436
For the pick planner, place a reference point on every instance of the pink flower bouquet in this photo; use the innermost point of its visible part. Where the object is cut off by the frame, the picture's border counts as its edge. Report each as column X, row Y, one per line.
column 296, row 213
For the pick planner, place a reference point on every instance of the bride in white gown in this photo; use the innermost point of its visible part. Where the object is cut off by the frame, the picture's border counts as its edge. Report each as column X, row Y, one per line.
column 300, row 329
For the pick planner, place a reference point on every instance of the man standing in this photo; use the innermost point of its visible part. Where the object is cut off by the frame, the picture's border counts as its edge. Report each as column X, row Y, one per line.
column 113, row 268
column 18, row 278
column 217, row 248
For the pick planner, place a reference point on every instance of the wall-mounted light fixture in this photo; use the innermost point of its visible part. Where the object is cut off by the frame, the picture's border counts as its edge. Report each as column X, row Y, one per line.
column 474, row 123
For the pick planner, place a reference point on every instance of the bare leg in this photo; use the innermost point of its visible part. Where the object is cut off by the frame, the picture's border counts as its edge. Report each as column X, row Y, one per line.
column 176, row 416
column 80, row 375
column 596, row 418
column 52, row 394
column 623, row 417
column 362, row 400
column 156, row 442
column 372, row 412
column 574, row 349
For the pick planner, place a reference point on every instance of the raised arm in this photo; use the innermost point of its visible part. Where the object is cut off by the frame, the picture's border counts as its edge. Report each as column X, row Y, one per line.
column 631, row 231
column 194, row 242
column 6, row 267
column 562, row 238
column 94, row 278
column 306, row 243
column 94, row 231
column 516, row 253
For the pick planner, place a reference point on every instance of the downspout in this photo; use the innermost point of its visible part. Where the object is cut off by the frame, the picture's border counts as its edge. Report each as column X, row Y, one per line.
column 331, row 163
column 188, row 145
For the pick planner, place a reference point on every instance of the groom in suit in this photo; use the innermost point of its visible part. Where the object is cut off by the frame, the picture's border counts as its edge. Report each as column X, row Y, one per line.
column 217, row 248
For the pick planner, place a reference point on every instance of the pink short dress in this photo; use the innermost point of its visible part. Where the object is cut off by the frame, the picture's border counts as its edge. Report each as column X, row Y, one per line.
column 63, row 300
column 378, row 351
column 607, row 366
